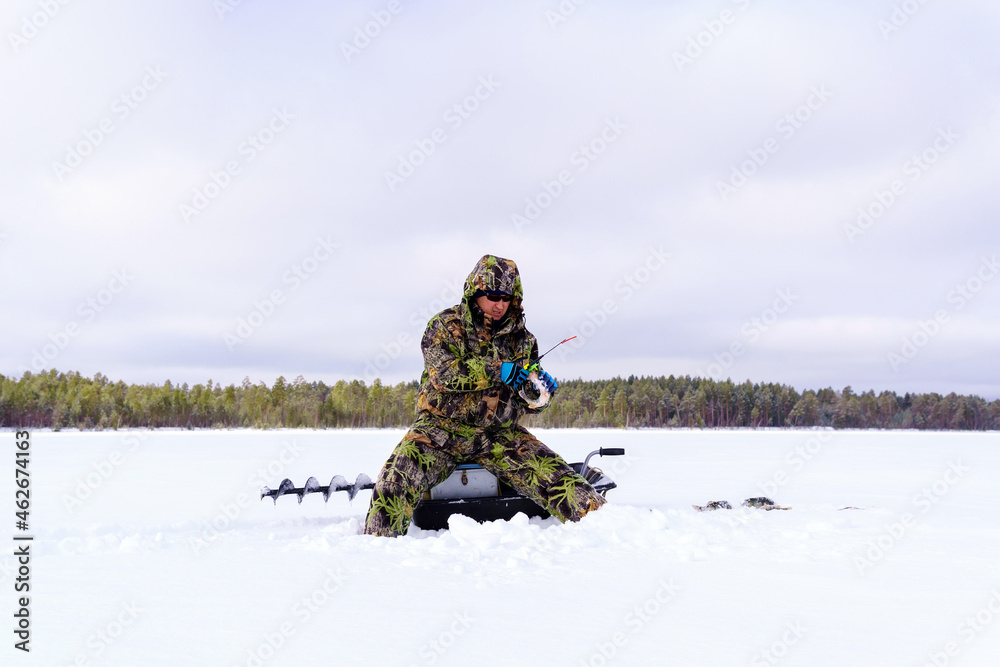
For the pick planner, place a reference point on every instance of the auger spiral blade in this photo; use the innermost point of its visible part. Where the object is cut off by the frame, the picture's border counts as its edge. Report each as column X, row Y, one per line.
column 283, row 489
column 363, row 482
column 312, row 486
column 338, row 483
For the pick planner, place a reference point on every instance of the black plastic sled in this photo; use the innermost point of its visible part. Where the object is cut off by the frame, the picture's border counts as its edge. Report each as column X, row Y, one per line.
column 470, row 490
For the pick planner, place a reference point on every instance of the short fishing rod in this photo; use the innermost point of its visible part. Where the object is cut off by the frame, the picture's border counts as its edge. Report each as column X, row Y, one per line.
column 554, row 347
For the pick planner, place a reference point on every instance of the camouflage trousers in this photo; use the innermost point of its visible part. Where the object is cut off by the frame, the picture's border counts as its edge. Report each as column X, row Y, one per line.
column 430, row 451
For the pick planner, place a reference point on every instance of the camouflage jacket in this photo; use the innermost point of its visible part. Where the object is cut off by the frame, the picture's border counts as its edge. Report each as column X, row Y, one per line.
column 463, row 349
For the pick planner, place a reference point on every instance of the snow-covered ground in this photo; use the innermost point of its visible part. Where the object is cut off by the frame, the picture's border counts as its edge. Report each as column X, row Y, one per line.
column 152, row 548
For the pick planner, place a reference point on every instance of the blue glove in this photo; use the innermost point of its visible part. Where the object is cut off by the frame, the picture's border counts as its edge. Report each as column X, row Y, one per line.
column 513, row 373
column 547, row 380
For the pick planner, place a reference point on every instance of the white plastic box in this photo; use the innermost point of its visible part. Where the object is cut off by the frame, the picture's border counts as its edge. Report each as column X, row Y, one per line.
column 468, row 481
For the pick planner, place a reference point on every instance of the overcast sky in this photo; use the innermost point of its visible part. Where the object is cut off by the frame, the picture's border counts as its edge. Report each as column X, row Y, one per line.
column 795, row 192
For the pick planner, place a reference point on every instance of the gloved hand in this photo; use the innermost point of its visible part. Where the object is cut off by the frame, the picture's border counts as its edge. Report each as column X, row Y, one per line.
column 513, row 373
column 548, row 381
column 550, row 384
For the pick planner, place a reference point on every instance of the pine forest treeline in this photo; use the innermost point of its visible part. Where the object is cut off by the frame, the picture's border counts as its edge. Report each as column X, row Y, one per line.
column 69, row 400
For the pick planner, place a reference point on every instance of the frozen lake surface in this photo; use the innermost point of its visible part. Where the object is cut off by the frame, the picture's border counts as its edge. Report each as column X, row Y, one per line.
column 152, row 548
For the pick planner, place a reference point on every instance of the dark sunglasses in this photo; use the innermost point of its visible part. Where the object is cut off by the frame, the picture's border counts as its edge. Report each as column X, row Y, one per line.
column 498, row 297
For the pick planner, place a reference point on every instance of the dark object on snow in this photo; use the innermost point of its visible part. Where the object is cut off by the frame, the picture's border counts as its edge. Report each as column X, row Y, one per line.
column 471, row 490
column 763, row 503
column 760, row 503
column 714, row 505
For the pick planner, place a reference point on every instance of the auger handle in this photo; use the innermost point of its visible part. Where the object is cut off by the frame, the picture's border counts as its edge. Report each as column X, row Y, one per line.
column 603, row 451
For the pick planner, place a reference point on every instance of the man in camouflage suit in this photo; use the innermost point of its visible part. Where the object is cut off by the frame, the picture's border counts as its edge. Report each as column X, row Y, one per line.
column 469, row 406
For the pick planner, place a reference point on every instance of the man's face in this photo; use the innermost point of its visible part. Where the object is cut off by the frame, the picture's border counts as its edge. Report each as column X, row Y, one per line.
column 495, row 309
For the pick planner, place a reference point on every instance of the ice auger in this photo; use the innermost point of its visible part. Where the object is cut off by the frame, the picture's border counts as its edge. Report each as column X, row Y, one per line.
column 338, row 483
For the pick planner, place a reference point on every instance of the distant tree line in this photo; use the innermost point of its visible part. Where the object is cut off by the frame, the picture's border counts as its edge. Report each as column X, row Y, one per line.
column 62, row 400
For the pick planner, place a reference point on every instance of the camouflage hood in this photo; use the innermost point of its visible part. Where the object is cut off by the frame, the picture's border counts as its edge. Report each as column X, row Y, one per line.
column 493, row 274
